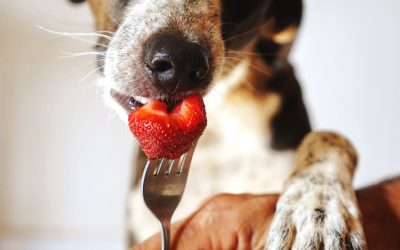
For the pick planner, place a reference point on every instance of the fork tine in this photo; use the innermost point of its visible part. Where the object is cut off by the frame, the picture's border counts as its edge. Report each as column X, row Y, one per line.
column 182, row 162
column 172, row 165
column 150, row 167
column 185, row 161
column 164, row 166
column 175, row 167
column 159, row 166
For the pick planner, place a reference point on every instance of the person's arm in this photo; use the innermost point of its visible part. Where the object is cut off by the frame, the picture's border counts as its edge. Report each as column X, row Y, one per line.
column 242, row 221
column 223, row 222
column 380, row 208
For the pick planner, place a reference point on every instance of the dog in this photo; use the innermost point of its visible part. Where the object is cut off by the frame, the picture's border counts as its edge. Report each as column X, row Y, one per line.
column 259, row 138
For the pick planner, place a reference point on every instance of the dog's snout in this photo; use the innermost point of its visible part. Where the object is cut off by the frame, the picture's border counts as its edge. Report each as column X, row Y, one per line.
column 176, row 64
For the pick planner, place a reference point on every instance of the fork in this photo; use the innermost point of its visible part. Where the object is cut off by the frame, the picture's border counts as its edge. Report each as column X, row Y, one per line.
column 163, row 183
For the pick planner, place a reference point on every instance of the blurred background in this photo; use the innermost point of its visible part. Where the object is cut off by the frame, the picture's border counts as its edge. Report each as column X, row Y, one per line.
column 65, row 159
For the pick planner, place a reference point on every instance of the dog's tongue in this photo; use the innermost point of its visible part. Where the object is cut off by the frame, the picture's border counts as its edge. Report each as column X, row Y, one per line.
column 168, row 134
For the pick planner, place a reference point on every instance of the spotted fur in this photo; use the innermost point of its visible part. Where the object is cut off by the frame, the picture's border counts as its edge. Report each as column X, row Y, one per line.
column 257, row 117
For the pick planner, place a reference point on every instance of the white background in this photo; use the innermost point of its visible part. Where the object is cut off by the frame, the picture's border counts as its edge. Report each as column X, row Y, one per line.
column 64, row 162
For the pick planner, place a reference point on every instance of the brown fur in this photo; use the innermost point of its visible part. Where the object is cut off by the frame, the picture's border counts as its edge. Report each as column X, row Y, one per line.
column 320, row 147
column 102, row 15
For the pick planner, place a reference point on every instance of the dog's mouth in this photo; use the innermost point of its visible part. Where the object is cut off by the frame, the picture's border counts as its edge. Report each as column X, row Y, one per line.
column 130, row 103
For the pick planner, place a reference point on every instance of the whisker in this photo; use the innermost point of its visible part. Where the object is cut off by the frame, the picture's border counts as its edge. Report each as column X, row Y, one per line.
column 230, row 64
column 250, row 53
column 218, row 89
column 244, row 33
column 113, row 19
column 106, row 31
column 90, row 73
column 224, row 23
column 79, row 54
column 75, row 36
column 88, row 63
column 249, row 86
column 250, row 64
column 76, row 33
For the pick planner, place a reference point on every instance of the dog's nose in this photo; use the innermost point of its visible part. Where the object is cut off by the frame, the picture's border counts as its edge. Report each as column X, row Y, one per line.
column 176, row 64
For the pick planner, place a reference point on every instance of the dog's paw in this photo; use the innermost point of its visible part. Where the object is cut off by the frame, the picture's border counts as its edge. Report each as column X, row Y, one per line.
column 316, row 216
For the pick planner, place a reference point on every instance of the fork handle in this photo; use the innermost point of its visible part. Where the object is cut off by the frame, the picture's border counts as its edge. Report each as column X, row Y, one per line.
column 166, row 234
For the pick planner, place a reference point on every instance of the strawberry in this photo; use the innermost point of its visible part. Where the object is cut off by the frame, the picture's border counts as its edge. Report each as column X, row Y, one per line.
column 168, row 134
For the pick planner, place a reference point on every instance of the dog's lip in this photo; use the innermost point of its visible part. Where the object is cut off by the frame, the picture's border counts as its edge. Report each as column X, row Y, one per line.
column 128, row 102
column 132, row 102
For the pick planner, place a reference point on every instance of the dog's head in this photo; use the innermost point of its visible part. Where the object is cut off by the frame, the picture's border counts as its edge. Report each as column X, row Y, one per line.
column 167, row 49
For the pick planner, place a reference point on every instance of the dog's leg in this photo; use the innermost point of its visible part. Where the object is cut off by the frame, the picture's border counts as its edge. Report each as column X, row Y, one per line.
column 318, row 208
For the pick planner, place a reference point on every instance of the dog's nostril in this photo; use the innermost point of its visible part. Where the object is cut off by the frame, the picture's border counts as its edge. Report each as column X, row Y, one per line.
column 160, row 65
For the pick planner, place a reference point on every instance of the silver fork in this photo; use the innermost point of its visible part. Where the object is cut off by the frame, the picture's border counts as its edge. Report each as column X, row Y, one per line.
column 163, row 183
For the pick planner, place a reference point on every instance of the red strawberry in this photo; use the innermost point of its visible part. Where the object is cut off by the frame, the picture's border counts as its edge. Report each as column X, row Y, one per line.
column 168, row 134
